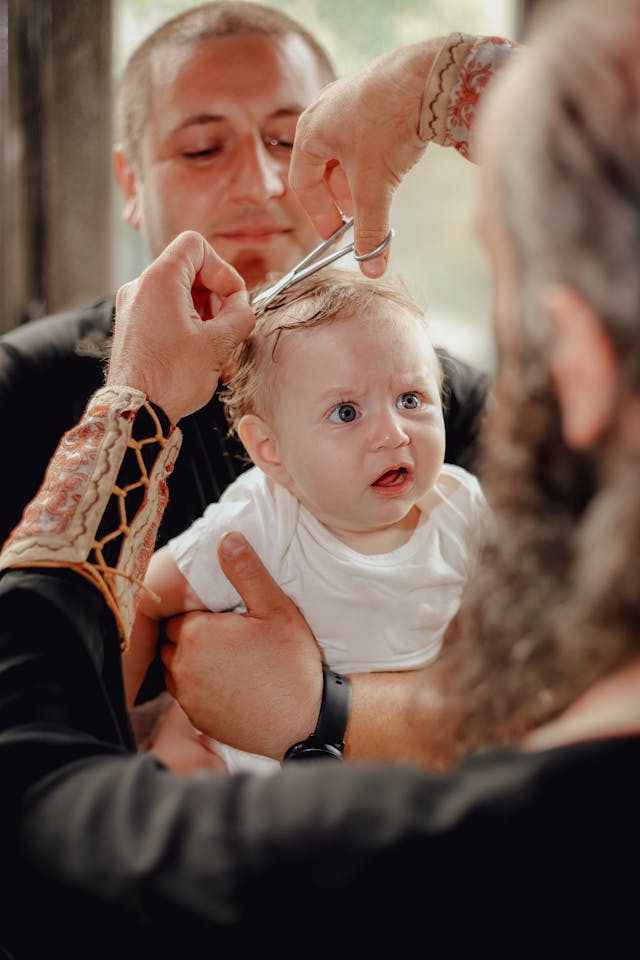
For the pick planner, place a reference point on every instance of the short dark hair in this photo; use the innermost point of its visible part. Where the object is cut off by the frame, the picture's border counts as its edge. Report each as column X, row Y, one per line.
column 225, row 18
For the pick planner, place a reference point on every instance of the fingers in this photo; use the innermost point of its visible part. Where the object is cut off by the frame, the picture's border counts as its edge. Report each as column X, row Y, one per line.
column 372, row 226
column 218, row 275
column 227, row 328
column 192, row 257
column 212, row 279
column 216, row 290
column 200, row 270
column 243, row 568
column 338, row 186
column 343, row 174
column 307, row 177
column 182, row 748
column 325, row 189
column 365, row 188
column 354, row 145
column 177, row 325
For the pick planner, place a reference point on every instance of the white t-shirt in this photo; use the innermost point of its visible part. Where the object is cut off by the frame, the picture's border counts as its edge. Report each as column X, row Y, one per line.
column 368, row 612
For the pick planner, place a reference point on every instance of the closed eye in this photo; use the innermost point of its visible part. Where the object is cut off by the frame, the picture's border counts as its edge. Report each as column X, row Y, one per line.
column 279, row 143
column 202, row 154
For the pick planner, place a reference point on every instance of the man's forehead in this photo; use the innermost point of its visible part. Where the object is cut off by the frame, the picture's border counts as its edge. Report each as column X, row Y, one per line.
column 239, row 67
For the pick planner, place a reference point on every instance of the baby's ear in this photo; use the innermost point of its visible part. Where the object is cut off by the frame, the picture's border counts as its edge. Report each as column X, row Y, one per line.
column 261, row 444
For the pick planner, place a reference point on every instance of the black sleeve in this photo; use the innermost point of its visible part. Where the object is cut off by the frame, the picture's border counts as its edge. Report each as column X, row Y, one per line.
column 465, row 393
column 48, row 370
column 105, row 853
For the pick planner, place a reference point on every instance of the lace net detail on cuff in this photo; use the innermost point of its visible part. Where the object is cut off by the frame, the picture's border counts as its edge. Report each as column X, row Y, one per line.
column 102, row 500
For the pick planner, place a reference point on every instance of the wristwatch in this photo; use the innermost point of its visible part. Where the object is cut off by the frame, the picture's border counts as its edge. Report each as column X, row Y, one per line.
column 327, row 740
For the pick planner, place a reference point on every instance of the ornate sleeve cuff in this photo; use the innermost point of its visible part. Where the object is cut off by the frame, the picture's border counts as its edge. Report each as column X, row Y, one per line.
column 102, row 499
column 459, row 75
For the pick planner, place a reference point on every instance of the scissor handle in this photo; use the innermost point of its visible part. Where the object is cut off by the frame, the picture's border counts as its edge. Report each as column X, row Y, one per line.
column 374, row 253
column 310, row 264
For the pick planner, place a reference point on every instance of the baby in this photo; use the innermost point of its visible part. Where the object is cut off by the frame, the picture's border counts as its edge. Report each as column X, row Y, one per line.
column 336, row 397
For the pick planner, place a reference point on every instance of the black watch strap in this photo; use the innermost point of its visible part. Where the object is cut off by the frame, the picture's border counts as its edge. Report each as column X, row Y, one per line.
column 327, row 740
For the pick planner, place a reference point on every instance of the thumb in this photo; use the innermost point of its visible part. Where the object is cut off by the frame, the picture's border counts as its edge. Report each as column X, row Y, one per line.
column 245, row 571
column 372, row 230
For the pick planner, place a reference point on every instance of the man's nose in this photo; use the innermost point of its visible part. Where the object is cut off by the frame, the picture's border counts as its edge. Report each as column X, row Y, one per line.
column 258, row 175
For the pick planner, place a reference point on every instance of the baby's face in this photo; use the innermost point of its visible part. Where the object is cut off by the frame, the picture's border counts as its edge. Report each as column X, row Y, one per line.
column 358, row 418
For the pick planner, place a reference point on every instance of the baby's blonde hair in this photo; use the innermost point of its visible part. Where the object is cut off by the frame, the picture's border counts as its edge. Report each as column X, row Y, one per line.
column 328, row 296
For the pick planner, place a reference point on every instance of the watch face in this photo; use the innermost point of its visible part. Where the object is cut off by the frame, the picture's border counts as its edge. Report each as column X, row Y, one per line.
column 307, row 751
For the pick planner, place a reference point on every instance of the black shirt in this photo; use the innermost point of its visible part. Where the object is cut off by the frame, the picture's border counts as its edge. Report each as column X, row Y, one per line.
column 107, row 854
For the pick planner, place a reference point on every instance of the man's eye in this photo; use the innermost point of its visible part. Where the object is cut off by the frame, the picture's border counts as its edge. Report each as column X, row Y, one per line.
column 279, row 143
column 204, row 154
column 343, row 413
column 409, row 401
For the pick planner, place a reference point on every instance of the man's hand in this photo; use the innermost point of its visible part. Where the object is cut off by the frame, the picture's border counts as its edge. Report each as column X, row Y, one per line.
column 355, row 144
column 181, row 747
column 177, row 325
column 253, row 680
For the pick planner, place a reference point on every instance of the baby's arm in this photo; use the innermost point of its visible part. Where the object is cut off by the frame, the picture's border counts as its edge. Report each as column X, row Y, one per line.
column 167, row 593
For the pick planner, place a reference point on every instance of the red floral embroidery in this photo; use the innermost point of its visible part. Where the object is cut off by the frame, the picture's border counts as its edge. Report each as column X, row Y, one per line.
column 148, row 546
column 54, row 505
column 462, row 109
column 480, row 67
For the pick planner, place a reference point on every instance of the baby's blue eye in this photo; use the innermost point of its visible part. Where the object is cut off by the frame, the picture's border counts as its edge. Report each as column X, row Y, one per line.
column 344, row 413
column 409, row 401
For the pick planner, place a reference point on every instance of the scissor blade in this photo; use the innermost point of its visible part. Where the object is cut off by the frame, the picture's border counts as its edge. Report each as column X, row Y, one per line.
column 320, row 249
column 305, row 267
column 266, row 296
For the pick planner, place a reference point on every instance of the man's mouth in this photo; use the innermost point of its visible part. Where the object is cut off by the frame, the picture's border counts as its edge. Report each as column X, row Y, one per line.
column 253, row 234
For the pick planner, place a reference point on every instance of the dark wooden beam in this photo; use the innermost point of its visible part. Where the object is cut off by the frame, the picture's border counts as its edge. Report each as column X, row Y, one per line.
column 55, row 179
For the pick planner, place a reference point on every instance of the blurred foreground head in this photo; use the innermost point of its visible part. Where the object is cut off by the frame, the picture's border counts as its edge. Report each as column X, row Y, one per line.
column 557, row 601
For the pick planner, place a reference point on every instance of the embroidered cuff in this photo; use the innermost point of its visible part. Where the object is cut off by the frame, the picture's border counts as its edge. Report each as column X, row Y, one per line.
column 102, row 499
column 459, row 75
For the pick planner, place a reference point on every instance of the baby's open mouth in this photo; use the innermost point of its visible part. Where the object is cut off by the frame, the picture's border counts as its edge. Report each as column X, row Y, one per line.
column 392, row 478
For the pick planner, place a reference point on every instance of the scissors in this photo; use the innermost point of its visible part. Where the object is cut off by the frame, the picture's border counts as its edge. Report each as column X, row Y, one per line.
column 310, row 264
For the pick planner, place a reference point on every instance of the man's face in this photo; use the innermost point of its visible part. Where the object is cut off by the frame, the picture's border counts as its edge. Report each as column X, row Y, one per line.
column 215, row 150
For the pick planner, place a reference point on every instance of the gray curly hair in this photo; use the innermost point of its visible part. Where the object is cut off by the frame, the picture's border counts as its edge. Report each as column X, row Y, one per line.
column 556, row 602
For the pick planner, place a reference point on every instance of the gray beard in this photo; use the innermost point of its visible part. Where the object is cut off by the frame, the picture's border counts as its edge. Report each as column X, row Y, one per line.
column 542, row 618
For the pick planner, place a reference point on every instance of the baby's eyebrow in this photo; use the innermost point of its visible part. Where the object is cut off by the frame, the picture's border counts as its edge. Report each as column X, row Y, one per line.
column 339, row 391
